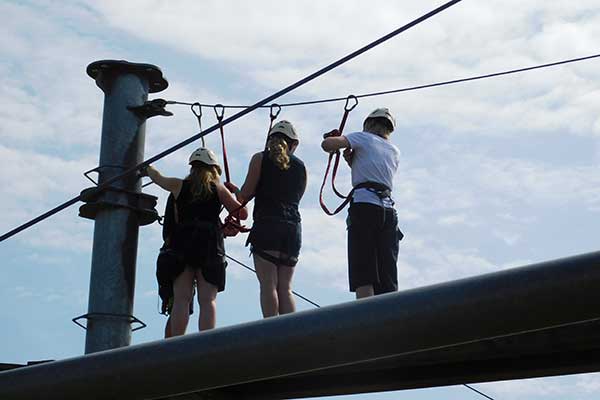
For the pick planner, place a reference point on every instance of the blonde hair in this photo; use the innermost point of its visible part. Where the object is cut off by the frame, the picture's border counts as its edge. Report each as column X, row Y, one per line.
column 202, row 177
column 278, row 152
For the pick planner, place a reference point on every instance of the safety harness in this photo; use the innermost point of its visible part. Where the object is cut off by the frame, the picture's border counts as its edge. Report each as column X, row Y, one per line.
column 381, row 190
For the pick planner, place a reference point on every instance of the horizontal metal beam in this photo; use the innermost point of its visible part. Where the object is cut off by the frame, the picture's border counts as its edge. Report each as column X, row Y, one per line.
column 508, row 302
column 553, row 351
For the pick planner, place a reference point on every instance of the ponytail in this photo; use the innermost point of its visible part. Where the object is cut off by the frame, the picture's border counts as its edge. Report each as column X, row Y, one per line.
column 278, row 152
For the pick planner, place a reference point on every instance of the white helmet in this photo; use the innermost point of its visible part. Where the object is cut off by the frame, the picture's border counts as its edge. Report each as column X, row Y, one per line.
column 286, row 128
column 205, row 156
column 383, row 113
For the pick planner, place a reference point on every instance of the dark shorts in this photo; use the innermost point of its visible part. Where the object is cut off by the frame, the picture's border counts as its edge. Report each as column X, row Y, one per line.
column 373, row 238
column 201, row 246
column 275, row 235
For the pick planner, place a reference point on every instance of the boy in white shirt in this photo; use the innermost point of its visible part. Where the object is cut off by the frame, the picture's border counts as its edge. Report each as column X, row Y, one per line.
column 373, row 233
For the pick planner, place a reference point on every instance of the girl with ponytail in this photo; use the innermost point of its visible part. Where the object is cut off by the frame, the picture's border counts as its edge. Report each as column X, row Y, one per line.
column 197, row 239
column 276, row 179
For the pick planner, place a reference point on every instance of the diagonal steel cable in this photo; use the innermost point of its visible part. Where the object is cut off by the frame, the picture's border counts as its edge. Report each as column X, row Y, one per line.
column 236, row 116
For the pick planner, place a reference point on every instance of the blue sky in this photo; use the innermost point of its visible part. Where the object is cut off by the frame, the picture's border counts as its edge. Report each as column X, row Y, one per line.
column 494, row 174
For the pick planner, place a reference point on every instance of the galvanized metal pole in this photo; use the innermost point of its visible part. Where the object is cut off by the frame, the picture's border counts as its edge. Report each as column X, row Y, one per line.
column 118, row 212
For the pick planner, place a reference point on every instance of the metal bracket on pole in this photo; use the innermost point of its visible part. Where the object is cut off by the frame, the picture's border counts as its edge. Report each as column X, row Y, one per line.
column 131, row 318
column 143, row 204
column 151, row 108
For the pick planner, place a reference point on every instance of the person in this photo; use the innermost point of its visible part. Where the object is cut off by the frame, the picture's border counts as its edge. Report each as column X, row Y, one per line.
column 198, row 238
column 373, row 234
column 276, row 179
column 168, row 265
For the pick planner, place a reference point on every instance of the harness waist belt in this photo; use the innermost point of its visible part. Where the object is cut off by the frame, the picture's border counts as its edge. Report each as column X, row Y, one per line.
column 381, row 190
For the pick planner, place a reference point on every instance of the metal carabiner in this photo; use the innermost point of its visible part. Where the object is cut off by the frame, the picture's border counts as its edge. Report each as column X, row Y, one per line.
column 219, row 111
column 198, row 115
column 350, row 108
column 274, row 111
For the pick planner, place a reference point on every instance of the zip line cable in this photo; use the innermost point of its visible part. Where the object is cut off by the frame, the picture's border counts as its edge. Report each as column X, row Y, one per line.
column 253, row 270
column 318, row 306
column 234, row 117
column 477, row 391
column 407, row 89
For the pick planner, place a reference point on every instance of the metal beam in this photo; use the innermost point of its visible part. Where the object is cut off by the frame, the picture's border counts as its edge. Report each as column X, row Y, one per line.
column 516, row 301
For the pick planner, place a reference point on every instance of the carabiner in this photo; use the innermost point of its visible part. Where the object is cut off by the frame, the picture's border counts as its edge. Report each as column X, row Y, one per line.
column 219, row 111
column 274, row 114
column 350, row 108
column 198, row 115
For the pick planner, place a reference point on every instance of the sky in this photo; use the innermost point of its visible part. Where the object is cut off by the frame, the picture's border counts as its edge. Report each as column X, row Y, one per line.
column 494, row 174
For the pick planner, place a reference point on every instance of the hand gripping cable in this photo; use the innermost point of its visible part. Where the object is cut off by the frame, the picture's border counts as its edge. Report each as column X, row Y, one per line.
column 351, row 103
column 231, row 225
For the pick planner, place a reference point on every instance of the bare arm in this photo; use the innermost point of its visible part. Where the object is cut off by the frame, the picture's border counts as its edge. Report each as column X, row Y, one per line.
column 230, row 202
column 334, row 143
column 172, row 185
column 249, row 187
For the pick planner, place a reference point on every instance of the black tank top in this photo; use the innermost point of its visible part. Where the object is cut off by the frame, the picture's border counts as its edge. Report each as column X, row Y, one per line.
column 190, row 209
column 279, row 191
column 169, row 219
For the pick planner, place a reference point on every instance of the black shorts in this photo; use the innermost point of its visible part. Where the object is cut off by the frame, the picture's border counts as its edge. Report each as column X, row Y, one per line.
column 373, row 237
column 276, row 235
column 201, row 246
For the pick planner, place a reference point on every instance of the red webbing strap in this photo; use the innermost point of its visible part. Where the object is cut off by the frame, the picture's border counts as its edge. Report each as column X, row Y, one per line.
column 232, row 225
column 336, row 157
column 220, row 112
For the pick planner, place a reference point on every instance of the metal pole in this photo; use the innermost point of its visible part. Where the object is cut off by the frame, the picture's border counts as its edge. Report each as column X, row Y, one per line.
column 117, row 218
column 510, row 302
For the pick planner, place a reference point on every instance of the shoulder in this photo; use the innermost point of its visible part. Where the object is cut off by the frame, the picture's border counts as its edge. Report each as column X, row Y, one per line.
column 356, row 138
column 297, row 160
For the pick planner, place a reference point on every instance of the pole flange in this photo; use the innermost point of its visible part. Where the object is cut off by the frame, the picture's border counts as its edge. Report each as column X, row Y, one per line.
column 103, row 71
column 95, row 200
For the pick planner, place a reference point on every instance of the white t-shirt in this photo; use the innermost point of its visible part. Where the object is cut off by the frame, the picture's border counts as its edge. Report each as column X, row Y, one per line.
column 375, row 160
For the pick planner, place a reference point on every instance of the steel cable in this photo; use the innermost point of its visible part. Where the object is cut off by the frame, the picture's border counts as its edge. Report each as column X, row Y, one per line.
column 234, row 117
column 406, row 89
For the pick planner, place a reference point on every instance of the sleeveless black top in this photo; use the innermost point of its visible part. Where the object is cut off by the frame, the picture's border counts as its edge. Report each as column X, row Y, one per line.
column 169, row 219
column 279, row 191
column 195, row 210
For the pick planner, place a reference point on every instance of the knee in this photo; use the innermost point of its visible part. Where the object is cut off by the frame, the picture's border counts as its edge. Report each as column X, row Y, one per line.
column 207, row 296
column 284, row 291
column 184, row 297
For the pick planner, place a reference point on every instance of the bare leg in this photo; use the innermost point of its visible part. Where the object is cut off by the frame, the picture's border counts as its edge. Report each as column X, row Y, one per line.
column 180, row 314
column 284, row 290
column 207, row 298
column 168, row 328
column 364, row 291
column 267, row 277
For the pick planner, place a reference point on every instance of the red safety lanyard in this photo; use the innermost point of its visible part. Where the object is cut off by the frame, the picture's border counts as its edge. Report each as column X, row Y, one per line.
column 232, row 220
column 335, row 156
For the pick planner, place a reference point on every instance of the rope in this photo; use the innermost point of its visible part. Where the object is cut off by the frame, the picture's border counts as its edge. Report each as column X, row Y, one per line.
column 411, row 88
column 236, row 116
